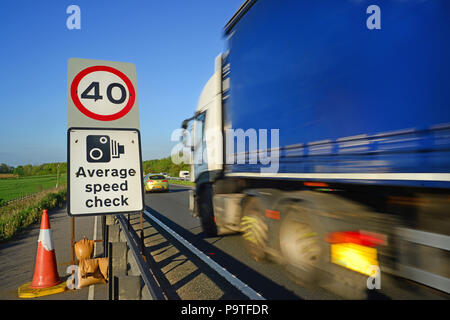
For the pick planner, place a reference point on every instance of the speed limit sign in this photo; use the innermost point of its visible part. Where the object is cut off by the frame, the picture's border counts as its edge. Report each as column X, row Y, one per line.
column 102, row 94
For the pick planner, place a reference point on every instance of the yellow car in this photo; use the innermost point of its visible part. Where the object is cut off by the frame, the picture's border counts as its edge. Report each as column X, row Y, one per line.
column 155, row 182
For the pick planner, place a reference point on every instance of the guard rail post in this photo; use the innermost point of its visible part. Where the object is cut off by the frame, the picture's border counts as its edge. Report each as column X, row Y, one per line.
column 124, row 281
column 137, row 265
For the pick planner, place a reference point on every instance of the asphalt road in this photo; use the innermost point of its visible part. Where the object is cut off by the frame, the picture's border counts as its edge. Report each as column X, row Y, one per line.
column 266, row 278
column 180, row 273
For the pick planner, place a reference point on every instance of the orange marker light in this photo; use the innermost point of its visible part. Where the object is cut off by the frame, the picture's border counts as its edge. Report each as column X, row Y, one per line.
column 315, row 184
column 272, row 214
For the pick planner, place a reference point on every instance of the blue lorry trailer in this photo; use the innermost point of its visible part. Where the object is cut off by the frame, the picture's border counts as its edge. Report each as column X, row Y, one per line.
column 356, row 96
column 346, row 99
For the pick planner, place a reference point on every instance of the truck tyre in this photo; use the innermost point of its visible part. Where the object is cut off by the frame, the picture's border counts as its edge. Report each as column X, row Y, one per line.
column 254, row 229
column 300, row 242
column 206, row 210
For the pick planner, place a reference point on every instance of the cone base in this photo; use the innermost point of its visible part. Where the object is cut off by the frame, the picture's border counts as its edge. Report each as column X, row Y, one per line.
column 25, row 291
column 55, row 283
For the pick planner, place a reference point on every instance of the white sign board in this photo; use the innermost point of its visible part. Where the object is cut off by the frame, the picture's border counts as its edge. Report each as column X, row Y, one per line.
column 102, row 94
column 105, row 171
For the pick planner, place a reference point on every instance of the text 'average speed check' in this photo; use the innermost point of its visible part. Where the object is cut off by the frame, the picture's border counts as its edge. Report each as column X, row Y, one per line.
column 105, row 171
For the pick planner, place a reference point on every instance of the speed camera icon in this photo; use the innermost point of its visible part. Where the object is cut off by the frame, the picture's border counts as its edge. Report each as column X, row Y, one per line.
column 101, row 148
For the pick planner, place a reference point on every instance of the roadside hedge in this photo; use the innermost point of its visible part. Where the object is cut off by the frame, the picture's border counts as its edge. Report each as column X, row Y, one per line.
column 20, row 214
column 181, row 182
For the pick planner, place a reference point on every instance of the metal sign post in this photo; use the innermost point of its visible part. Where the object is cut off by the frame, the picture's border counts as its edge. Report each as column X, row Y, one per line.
column 104, row 173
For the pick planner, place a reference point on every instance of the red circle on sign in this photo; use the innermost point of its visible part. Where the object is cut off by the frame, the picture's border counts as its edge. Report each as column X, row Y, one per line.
column 93, row 115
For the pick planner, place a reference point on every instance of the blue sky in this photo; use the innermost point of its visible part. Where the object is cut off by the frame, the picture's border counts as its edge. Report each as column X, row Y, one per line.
column 172, row 43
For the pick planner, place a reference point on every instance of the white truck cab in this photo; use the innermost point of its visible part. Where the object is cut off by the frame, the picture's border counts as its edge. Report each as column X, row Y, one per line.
column 207, row 137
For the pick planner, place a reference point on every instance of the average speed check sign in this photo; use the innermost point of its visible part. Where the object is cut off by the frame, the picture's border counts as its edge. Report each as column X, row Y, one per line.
column 105, row 172
column 102, row 94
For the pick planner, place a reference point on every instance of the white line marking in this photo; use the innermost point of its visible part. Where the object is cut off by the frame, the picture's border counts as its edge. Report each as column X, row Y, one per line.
column 350, row 176
column 91, row 287
column 244, row 288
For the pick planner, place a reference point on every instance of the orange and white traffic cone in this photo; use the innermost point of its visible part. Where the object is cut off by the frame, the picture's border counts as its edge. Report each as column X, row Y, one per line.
column 45, row 271
column 46, row 279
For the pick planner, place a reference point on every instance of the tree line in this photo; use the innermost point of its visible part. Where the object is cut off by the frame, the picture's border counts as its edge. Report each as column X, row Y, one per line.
column 163, row 165
column 148, row 166
column 4, row 168
column 35, row 170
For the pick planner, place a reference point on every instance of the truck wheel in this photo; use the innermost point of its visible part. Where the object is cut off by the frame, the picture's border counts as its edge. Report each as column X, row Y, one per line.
column 300, row 243
column 254, row 229
column 206, row 210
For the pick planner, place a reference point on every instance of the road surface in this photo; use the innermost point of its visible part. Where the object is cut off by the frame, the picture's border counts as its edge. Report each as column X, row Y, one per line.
column 187, row 277
column 267, row 279
column 214, row 268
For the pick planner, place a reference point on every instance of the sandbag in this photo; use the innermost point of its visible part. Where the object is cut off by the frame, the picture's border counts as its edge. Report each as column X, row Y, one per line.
column 89, row 273
column 103, row 266
column 84, row 249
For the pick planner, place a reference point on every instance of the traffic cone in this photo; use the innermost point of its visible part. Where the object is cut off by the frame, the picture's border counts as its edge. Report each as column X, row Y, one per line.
column 46, row 279
column 45, row 271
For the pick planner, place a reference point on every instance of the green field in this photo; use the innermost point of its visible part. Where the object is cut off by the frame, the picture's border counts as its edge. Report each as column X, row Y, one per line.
column 14, row 188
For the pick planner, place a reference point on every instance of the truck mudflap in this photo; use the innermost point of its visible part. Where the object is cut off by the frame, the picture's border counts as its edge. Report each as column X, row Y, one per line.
column 193, row 209
column 227, row 212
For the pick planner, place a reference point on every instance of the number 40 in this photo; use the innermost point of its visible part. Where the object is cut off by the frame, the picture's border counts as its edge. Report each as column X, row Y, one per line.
column 96, row 95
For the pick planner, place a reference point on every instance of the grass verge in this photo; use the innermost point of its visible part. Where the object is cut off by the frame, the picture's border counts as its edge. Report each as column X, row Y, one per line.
column 184, row 183
column 19, row 214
